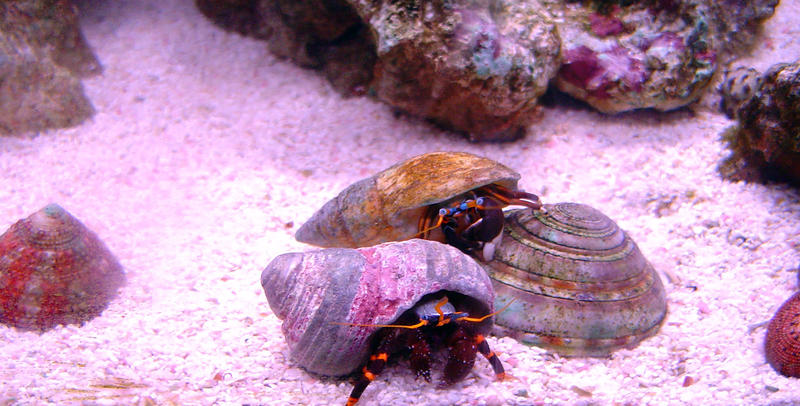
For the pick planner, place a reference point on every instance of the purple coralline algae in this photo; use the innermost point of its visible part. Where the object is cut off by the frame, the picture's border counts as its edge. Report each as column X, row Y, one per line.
column 619, row 59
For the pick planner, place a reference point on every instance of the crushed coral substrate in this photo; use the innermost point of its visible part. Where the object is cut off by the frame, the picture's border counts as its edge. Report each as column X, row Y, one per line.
column 207, row 153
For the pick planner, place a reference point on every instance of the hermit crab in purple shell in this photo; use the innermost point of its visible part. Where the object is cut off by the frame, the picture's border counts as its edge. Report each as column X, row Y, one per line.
column 349, row 311
column 451, row 197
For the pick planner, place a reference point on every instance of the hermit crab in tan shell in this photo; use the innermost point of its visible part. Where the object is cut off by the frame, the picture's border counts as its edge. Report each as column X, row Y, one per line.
column 451, row 197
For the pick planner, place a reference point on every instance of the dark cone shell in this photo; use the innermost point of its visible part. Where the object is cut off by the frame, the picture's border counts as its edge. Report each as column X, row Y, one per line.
column 387, row 206
column 313, row 290
column 782, row 344
column 581, row 286
column 53, row 271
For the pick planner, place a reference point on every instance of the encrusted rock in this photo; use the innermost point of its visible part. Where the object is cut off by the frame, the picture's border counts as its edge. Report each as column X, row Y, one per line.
column 649, row 54
column 466, row 65
column 766, row 140
column 479, row 66
column 43, row 55
column 737, row 23
column 739, row 85
column 472, row 66
column 235, row 15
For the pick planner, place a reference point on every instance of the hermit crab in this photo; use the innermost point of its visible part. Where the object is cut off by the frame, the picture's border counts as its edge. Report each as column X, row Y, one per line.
column 348, row 311
column 452, row 197
column 579, row 284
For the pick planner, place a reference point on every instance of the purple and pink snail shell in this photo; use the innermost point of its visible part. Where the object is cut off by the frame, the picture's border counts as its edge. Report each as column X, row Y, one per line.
column 53, row 270
column 318, row 293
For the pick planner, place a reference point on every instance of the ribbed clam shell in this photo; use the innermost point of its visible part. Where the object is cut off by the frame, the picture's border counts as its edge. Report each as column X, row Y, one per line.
column 387, row 206
column 310, row 291
column 53, row 270
column 782, row 343
column 582, row 286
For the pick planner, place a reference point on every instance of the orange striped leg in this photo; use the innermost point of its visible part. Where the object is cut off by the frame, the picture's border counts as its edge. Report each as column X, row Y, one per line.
column 368, row 374
column 483, row 348
column 389, row 340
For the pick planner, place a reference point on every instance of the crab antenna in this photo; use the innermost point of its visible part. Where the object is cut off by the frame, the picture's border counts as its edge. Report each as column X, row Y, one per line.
column 438, row 308
column 411, row 327
column 438, row 223
column 480, row 319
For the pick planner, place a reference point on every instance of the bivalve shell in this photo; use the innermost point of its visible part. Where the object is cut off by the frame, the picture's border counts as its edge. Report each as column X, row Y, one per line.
column 53, row 270
column 387, row 206
column 313, row 290
column 581, row 285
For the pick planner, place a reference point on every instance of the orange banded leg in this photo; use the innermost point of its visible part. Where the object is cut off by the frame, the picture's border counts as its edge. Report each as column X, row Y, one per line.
column 368, row 374
column 483, row 348
column 389, row 342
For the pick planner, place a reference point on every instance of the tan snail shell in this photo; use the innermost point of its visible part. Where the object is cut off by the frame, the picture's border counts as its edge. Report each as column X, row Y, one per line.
column 387, row 206
column 581, row 285
column 310, row 291
column 53, row 270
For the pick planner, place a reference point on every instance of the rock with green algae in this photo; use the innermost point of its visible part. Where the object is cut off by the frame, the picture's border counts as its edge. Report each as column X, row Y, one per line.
column 765, row 142
column 472, row 66
column 43, row 55
column 479, row 66
column 626, row 55
column 476, row 66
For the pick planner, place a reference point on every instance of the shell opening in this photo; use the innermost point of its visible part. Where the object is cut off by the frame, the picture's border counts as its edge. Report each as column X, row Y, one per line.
column 461, row 303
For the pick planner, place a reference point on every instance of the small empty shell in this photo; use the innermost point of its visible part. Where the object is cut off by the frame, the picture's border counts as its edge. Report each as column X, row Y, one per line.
column 53, row 270
column 581, row 285
column 782, row 343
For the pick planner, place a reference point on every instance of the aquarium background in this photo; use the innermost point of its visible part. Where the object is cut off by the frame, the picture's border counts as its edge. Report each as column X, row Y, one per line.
column 207, row 153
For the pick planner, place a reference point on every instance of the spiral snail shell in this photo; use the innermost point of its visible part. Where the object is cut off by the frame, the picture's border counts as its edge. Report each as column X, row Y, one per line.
column 582, row 286
column 782, row 343
column 313, row 290
column 388, row 206
column 53, row 270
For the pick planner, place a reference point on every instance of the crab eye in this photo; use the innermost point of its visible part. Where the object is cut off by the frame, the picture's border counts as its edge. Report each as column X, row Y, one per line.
column 479, row 201
column 443, row 212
